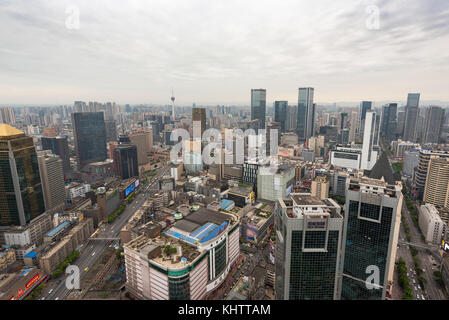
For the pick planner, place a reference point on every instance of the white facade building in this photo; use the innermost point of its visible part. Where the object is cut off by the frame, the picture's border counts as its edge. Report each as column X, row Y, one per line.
column 431, row 224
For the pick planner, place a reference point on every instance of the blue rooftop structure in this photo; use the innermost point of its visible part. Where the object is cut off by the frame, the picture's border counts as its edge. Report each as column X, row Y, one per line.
column 31, row 254
column 225, row 203
column 54, row 231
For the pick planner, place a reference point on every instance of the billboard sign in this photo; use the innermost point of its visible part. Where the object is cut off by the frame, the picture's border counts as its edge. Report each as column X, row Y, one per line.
column 130, row 189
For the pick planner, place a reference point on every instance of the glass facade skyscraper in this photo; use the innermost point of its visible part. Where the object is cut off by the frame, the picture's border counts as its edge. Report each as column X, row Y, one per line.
column 309, row 233
column 21, row 195
column 372, row 220
column 259, row 106
column 411, row 117
column 89, row 133
column 280, row 113
column 306, row 113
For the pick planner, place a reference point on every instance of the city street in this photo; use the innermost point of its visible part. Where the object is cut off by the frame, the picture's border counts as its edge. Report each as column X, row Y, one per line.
column 91, row 250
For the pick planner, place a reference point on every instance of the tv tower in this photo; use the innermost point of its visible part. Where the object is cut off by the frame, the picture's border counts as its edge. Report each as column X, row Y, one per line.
column 172, row 105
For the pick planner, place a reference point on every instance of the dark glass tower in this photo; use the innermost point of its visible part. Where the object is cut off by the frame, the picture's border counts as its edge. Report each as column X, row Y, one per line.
column 306, row 114
column 125, row 161
column 89, row 132
column 280, row 113
column 372, row 228
column 259, row 106
column 21, row 195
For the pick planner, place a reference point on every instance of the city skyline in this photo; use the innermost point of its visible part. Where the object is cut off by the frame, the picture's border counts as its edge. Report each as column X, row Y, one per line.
column 134, row 54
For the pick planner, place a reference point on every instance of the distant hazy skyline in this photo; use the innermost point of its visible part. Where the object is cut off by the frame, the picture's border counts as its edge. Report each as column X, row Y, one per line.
column 214, row 52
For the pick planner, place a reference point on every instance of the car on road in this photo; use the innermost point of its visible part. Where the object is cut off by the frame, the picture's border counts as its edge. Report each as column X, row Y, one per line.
column 87, row 268
column 422, row 297
column 419, row 287
column 51, row 290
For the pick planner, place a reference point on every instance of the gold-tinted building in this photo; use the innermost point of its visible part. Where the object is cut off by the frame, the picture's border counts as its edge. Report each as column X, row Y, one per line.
column 436, row 190
column 21, row 197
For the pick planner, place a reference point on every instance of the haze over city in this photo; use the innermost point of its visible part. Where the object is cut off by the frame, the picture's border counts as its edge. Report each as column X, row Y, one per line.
column 214, row 51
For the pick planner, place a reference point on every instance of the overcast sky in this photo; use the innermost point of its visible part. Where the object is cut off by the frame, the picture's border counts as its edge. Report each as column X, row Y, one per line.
column 215, row 51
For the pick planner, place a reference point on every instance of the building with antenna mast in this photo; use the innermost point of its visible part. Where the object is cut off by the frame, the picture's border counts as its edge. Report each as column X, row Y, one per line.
column 173, row 105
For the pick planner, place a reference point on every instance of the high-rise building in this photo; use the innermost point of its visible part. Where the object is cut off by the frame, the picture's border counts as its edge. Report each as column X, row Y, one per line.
column 52, row 177
column 364, row 107
column 433, row 123
column 389, row 122
column 401, row 123
column 411, row 117
column 368, row 156
column 420, row 174
column 292, row 118
column 306, row 114
column 111, row 130
column 143, row 140
column 436, row 190
column 353, row 129
column 89, row 133
column 274, row 183
column 320, row 187
column 125, row 161
column 309, row 234
column 372, row 221
column 199, row 115
column 21, row 196
column 280, row 114
column 259, row 106
column 7, row 115
column 60, row 147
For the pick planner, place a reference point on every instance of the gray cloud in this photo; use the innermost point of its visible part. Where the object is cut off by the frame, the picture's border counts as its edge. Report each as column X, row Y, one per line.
column 216, row 51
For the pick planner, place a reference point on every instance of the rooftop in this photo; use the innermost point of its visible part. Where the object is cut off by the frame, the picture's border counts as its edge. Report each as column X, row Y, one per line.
column 7, row 131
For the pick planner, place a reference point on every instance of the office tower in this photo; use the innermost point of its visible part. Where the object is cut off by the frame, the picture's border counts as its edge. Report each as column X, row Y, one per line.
column 364, row 107
column 125, row 161
column 372, row 221
column 306, row 113
column 156, row 129
column 250, row 172
column 343, row 120
column 21, row 197
column 89, row 133
column 433, row 124
column 111, row 130
column 143, row 140
column 52, row 177
column 401, row 124
column 272, row 142
column 199, row 115
column 79, row 106
column 60, row 147
column 292, row 118
column 274, row 183
column 389, row 122
column 309, row 232
column 320, row 187
column 280, row 114
column 368, row 156
column 420, row 174
column 436, row 190
column 7, row 115
column 376, row 130
column 354, row 124
column 258, row 106
column 411, row 117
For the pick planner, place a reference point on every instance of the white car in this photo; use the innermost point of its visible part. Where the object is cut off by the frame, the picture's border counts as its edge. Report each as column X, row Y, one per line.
column 51, row 290
column 422, row 297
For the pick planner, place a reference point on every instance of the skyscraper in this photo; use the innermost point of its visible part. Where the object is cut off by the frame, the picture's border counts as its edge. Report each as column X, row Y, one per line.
column 21, row 196
column 306, row 113
column 309, row 232
column 89, row 133
column 433, row 122
column 368, row 156
column 436, row 190
column 52, row 177
column 199, row 114
column 125, row 161
column 389, row 122
column 372, row 221
column 111, row 130
column 280, row 113
column 60, row 147
column 364, row 107
column 259, row 106
column 411, row 117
